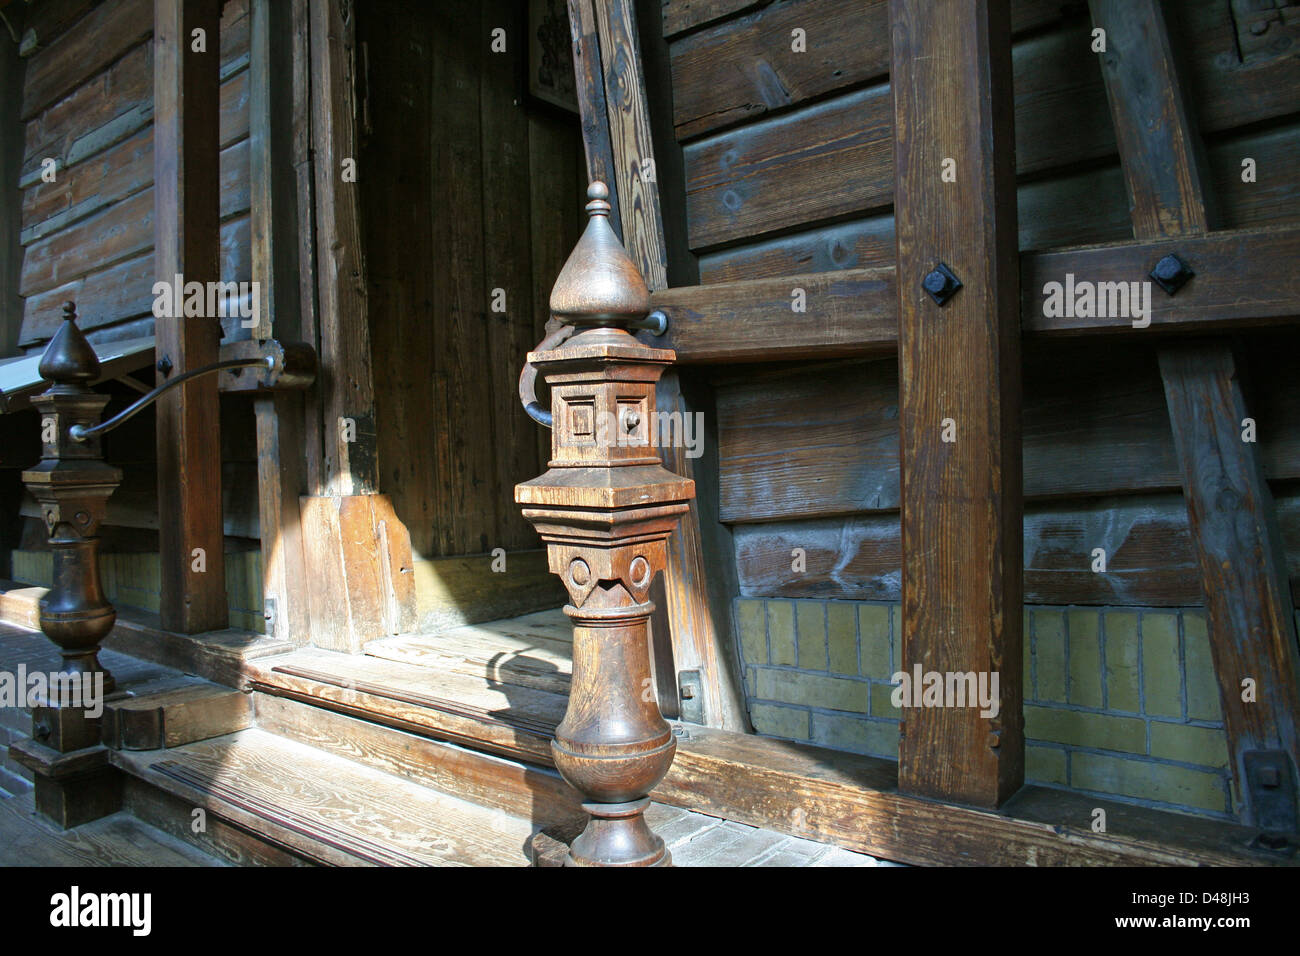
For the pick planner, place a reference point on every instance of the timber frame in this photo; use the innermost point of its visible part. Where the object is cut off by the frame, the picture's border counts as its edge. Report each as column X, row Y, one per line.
column 957, row 794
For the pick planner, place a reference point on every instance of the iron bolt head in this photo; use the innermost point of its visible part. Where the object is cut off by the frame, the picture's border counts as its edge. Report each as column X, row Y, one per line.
column 940, row 284
column 1171, row 273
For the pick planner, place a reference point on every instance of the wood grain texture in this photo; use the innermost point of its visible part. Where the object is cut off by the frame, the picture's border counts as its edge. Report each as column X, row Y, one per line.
column 187, row 242
column 802, row 120
column 1251, row 617
column 346, row 386
column 699, row 622
column 592, row 107
column 357, row 556
column 90, row 45
column 1242, row 559
column 959, row 366
column 801, row 790
column 1086, row 432
column 631, row 144
column 853, row 312
column 304, row 800
column 1151, row 560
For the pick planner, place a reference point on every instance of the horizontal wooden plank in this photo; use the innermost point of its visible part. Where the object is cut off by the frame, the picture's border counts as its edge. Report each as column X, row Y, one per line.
column 1089, row 206
column 120, row 231
column 1150, row 560
column 1238, row 283
column 800, row 317
column 91, row 44
column 1240, row 286
column 824, row 441
column 741, row 69
column 680, row 16
column 113, row 105
column 826, row 159
column 125, row 291
column 831, row 159
column 95, row 181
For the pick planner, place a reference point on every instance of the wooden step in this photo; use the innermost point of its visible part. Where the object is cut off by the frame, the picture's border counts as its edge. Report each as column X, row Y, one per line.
column 804, row 791
column 325, row 809
column 535, row 651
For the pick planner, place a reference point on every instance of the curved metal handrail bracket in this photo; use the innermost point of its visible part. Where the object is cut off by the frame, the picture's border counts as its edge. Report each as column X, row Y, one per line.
column 81, row 433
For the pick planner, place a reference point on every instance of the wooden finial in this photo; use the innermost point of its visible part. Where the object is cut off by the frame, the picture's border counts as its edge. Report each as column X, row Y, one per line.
column 69, row 358
column 599, row 285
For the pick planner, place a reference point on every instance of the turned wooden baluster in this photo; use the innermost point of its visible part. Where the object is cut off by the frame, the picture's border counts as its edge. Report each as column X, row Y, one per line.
column 605, row 509
column 72, row 484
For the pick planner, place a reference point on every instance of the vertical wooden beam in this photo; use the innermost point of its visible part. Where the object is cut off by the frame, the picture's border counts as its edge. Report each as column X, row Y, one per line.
column 11, row 195
column 280, row 457
column 1243, row 569
column 959, row 411
column 590, row 75
column 357, row 553
column 700, row 628
column 187, row 242
column 351, row 463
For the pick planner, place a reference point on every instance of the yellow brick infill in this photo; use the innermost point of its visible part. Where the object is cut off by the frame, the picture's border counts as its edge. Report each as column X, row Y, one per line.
column 810, row 630
column 1149, row 780
column 789, row 722
column 780, row 633
column 1119, row 701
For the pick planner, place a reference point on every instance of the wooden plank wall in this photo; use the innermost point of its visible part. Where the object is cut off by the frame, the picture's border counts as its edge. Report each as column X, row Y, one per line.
column 87, row 104
column 788, row 171
column 467, row 189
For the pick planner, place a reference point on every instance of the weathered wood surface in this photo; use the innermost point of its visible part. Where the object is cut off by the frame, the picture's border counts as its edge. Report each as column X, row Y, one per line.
column 498, row 212
column 801, row 790
column 351, row 461
column 1087, row 206
column 187, row 242
column 117, row 840
column 592, row 107
column 89, row 46
column 1150, row 557
column 854, row 312
column 357, row 556
column 88, row 236
column 959, row 369
column 699, row 621
column 679, row 16
column 173, row 712
column 1242, row 559
column 631, row 145
column 1086, row 433
column 831, row 157
column 281, row 476
column 305, row 801
column 1230, row 509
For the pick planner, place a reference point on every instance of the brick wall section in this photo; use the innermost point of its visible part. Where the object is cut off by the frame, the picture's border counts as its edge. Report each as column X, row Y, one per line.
column 1121, row 702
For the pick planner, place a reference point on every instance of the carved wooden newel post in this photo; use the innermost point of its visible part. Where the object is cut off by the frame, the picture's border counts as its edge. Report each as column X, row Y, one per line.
column 605, row 509
column 72, row 484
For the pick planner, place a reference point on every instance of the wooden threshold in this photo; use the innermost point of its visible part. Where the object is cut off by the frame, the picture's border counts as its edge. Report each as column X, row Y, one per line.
column 804, row 791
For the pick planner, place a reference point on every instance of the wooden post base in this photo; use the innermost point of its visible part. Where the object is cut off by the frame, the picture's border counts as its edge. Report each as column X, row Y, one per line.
column 617, row 835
